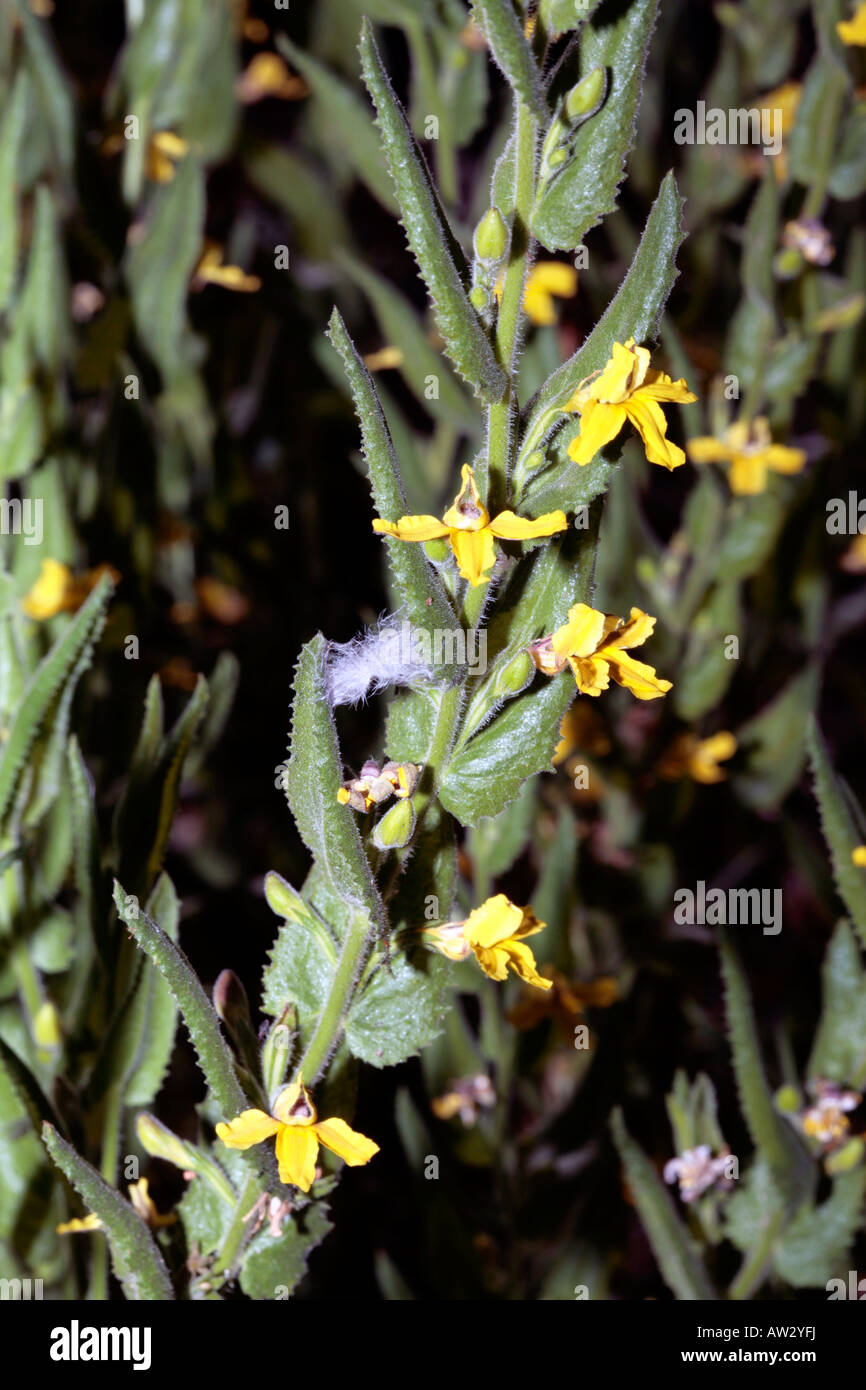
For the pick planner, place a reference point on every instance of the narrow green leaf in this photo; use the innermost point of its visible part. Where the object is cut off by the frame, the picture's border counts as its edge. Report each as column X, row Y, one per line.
column 840, row 829
column 137, row 1261
column 313, row 778
column 199, row 1016
column 416, row 580
column 788, row 1160
column 839, row 1049
column 64, row 659
column 440, row 260
column 673, row 1247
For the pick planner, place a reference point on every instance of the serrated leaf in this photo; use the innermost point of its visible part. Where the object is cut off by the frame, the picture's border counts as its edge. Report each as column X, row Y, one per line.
column 840, row 829
column 273, row 1268
column 302, row 959
column 774, row 742
column 789, row 1162
column 137, row 1261
column 160, row 1013
column 400, row 1010
column 635, row 311
column 66, row 658
column 839, row 1048
column 673, row 1247
column 817, row 1244
column 439, row 258
column 416, row 581
column 584, row 190
column 313, row 778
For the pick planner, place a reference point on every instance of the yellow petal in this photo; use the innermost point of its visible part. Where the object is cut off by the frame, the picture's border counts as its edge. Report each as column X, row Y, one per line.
column 625, row 369
column 50, row 593
column 649, row 420
column 353, row 1148
column 858, row 856
column 79, row 1224
column 297, row 1147
column 248, row 1128
column 467, row 512
column 294, row 1105
column 581, row 634
column 706, row 449
column 475, row 553
column 592, row 674
column 554, row 277
column 599, row 424
column 412, row 528
column 522, row 962
column 492, row 922
column 784, row 460
column 636, row 676
column 853, row 31
column 508, row 526
column 748, row 475
column 632, row 633
column 658, row 386
column 493, row 961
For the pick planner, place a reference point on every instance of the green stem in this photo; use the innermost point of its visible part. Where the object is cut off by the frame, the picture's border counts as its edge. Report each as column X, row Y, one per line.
column 240, row 1226
column 358, row 943
column 753, row 1267
column 98, row 1292
column 500, row 415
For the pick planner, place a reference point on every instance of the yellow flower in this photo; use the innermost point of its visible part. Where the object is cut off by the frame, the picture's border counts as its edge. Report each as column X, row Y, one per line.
column 785, row 99
column 163, row 152
column 494, row 932
column 581, row 730
column 211, row 271
column 546, row 279
column 470, row 531
column 57, row 590
column 141, row 1199
column 385, row 359
column 853, row 31
column 690, row 756
column 299, row 1134
column 594, row 645
column 748, row 447
column 626, row 390
column 858, row 856
column 139, row 1195
column 268, row 76
column 79, row 1224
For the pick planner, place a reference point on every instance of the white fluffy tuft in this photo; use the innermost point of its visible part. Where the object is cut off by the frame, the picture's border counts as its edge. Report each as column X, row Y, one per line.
column 382, row 656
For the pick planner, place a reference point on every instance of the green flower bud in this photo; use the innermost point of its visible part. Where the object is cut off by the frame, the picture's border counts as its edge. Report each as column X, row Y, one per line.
column 788, row 263
column 46, row 1026
column 586, row 96
column 788, row 1099
column 479, row 298
column 516, row 675
column 437, row 551
column 491, row 237
column 278, row 1050
column 160, row 1142
column 395, row 828
column 843, row 1160
column 558, row 157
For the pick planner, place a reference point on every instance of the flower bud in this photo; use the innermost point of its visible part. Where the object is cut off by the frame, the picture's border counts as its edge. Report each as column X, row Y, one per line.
column 436, row 550
column 160, row 1142
column 278, row 1050
column 788, row 1099
column 586, row 96
column 395, row 828
column 843, row 1160
column 491, row 238
column 516, row 675
column 479, row 298
column 230, row 998
column 46, row 1026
